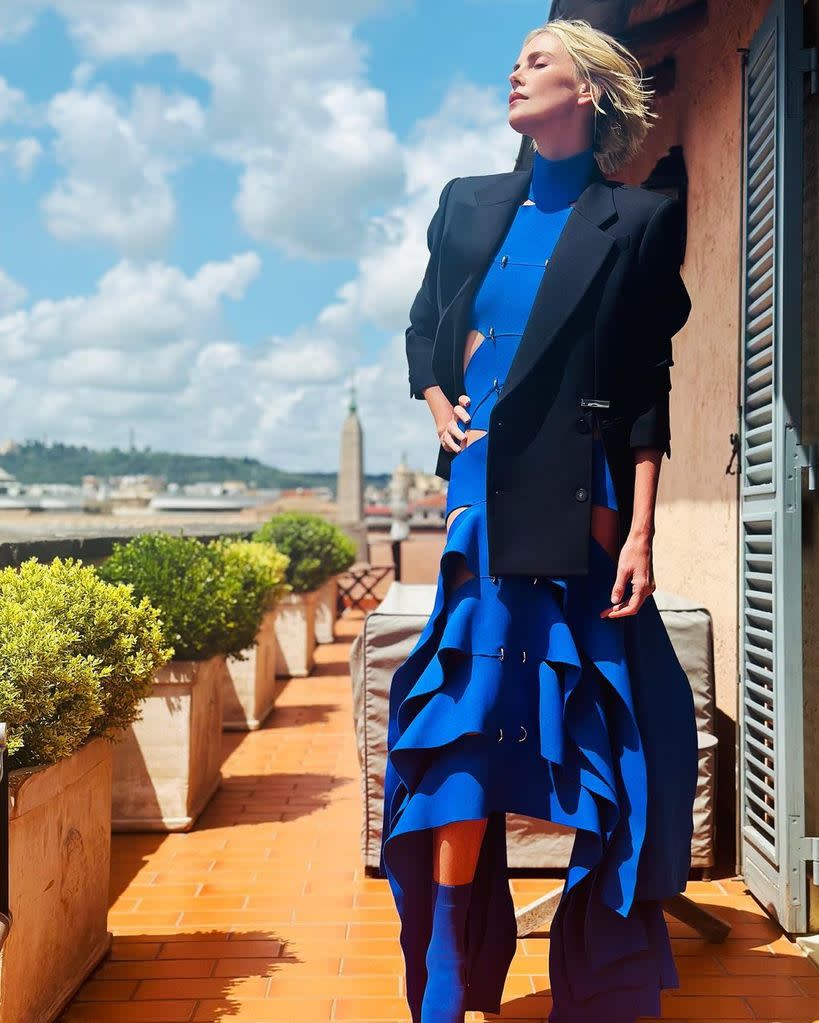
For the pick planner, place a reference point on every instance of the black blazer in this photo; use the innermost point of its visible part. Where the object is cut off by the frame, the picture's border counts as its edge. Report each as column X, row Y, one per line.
column 596, row 348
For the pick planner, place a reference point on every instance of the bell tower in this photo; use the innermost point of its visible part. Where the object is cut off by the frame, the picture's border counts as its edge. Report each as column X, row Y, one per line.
column 350, row 495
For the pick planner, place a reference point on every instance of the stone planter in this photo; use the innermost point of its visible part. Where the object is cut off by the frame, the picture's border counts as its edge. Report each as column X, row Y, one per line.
column 168, row 764
column 326, row 610
column 296, row 633
column 59, row 867
column 250, row 687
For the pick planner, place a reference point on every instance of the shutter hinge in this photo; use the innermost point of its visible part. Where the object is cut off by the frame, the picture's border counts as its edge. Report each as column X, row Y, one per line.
column 809, row 65
column 806, row 459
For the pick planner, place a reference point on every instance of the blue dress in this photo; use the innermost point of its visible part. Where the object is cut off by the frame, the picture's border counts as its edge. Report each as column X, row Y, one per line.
column 518, row 697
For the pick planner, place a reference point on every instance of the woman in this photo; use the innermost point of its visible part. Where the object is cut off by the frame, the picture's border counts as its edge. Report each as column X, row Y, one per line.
column 544, row 682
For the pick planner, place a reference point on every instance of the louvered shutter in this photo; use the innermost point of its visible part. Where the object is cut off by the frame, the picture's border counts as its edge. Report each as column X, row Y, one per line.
column 770, row 713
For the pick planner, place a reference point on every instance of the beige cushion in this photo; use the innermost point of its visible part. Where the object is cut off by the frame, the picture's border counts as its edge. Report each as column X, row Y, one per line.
column 386, row 639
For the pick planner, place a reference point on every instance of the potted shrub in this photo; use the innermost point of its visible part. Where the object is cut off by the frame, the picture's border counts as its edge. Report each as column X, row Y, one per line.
column 313, row 546
column 341, row 555
column 169, row 763
column 77, row 657
column 253, row 581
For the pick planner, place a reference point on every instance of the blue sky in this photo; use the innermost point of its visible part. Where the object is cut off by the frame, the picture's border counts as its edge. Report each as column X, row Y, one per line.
column 213, row 212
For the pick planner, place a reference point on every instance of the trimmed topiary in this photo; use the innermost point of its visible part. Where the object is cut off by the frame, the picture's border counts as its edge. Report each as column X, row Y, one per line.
column 77, row 655
column 181, row 577
column 317, row 549
column 252, row 582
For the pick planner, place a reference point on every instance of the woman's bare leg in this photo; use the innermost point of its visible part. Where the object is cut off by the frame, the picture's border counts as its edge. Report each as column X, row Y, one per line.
column 456, row 847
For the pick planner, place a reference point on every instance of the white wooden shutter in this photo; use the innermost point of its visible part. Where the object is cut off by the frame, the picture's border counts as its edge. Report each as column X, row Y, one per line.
column 773, row 846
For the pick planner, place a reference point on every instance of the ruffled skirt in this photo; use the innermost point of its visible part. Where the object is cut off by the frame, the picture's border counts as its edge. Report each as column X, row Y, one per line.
column 517, row 697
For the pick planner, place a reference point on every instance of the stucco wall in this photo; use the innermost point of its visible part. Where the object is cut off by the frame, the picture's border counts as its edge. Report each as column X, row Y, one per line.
column 696, row 542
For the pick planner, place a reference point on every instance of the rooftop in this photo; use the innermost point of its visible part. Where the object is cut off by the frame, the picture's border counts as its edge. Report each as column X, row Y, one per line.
column 263, row 911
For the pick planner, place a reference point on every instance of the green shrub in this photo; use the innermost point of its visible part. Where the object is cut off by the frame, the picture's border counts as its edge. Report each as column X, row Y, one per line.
column 181, row 577
column 209, row 595
column 317, row 549
column 77, row 655
column 252, row 581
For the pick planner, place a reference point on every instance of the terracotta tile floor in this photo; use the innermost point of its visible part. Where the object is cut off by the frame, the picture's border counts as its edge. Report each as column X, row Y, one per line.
column 262, row 913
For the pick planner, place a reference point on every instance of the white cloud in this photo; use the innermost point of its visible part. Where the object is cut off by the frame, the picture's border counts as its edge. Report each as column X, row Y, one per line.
column 132, row 354
column 13, row 106
column 118, row 164
column 26, row 155
column 82, row 74
column 120, row 371
column 469, row 131
column 318, row 204
column 136, row 308
column 290, row 106
column 12, row 294
column 17, row 17
column 15, row 109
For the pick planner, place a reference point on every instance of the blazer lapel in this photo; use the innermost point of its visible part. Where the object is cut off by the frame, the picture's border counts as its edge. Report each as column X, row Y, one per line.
column 473, row 237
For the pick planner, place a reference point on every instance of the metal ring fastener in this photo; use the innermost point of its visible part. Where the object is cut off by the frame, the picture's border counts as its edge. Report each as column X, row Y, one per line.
column 502, row 653
column 525, row 733
column 500, row 737
column 523, row 656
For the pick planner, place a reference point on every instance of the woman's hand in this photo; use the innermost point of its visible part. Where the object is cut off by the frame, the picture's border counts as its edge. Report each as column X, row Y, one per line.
column 635, row 564
column 450, row 434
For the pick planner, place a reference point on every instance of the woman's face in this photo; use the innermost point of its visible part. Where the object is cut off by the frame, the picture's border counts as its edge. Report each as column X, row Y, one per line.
column 552, row 97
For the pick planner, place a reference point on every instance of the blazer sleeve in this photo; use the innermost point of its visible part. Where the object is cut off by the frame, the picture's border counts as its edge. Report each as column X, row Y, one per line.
column 420, row 335
column 664, row 306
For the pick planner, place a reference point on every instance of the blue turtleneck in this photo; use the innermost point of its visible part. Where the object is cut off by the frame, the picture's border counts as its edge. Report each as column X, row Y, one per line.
column 556, row 183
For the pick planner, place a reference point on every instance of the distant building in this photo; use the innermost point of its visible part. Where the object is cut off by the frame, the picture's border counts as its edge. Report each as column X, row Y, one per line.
column 8, row 484
column 422, row 495
column 429, row 511
column 350, row 495
column 426, row 483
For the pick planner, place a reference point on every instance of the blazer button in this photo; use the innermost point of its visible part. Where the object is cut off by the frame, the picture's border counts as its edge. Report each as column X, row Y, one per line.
column 581, row 494
column 583, row 425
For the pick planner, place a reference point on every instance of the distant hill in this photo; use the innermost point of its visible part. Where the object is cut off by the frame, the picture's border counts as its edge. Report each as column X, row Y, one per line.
column 35, row 462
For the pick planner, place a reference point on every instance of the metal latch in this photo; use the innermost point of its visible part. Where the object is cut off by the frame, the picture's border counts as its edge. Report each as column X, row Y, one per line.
column 595, row 403
column 812, row 845
column 808, row 65
column 806, row 455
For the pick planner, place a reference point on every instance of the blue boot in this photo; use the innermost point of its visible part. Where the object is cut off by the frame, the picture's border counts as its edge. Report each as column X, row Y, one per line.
column 445, row 992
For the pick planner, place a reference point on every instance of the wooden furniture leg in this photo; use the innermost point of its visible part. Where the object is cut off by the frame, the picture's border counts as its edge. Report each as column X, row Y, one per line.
column 537, row 916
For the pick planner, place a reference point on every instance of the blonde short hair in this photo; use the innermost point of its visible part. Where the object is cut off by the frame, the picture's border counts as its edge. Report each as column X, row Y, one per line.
column 617, row 86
